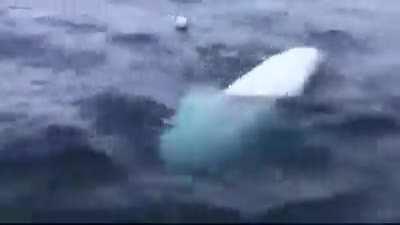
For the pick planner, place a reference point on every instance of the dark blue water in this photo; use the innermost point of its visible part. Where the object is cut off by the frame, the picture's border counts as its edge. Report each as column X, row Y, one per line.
column 88, row 88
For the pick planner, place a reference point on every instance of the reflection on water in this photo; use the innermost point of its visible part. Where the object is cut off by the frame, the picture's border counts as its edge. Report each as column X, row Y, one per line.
column 64, row 7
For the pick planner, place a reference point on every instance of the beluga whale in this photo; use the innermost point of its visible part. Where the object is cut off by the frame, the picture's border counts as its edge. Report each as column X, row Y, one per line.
column 214, row 127
column 283, row 74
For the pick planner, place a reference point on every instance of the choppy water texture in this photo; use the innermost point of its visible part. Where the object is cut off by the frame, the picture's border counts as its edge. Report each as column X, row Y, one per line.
column 89, row 93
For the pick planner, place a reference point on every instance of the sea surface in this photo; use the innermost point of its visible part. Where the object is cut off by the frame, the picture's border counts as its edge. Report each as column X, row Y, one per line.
column 88, row 90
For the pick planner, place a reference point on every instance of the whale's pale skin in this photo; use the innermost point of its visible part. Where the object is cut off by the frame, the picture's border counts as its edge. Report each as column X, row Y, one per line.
column 283, row 74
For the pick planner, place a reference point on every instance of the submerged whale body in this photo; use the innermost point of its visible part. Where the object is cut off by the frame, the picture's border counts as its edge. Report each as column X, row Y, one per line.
column 215, row 127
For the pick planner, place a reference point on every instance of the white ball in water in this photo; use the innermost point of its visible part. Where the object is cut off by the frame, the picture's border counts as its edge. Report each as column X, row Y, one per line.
column 181, row 22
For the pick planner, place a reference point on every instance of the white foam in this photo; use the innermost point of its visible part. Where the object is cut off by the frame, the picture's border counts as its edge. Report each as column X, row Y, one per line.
column 283, row 74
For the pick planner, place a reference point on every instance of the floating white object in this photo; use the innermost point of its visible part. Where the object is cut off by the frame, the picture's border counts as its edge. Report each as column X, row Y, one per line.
column 181, row 22
column 283, row 74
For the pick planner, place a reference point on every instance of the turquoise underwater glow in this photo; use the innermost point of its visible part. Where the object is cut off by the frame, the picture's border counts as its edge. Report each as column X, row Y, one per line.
column 211, row 129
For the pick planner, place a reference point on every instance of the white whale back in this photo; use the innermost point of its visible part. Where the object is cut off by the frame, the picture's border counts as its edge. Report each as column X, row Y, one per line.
column 283, row 74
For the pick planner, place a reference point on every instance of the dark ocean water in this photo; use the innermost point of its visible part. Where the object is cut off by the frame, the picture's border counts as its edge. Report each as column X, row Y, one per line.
column 88, row 88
